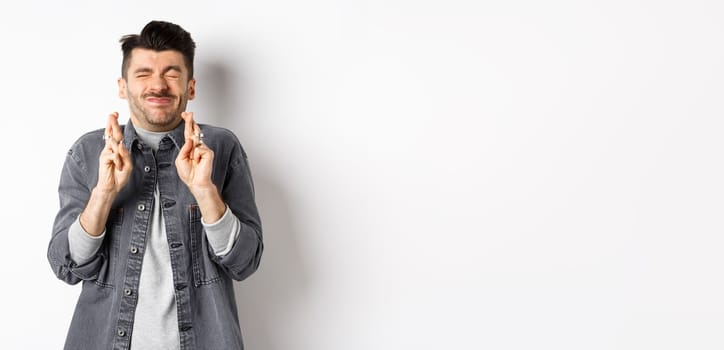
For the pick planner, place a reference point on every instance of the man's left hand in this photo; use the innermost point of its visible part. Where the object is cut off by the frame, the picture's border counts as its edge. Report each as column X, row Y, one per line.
column 195, row 160
column 194, row 165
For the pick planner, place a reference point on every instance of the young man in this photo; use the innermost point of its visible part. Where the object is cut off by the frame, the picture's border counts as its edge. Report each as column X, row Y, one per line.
column 158, row 216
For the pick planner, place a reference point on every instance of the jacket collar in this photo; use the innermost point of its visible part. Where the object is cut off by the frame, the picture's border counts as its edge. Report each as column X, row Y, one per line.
column 130, row 137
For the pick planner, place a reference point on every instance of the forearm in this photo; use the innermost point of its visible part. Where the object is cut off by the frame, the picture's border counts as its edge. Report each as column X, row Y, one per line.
column 73, row 260
column 94, row 216
column 210, row 203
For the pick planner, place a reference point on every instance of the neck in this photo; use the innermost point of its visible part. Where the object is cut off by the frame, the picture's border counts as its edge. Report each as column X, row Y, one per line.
column 155, row 128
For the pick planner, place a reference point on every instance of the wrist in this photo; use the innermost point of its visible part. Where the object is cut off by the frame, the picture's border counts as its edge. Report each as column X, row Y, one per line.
column 210, row 203
column 91, row 227
column 103, row 195
column 93, row 218
column 202, row 192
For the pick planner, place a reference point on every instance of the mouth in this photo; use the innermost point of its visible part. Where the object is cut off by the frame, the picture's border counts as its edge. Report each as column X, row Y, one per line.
column 159, row 100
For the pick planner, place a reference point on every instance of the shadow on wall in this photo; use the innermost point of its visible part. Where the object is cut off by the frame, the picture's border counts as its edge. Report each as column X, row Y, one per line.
column 213, row 104
column 266, row 298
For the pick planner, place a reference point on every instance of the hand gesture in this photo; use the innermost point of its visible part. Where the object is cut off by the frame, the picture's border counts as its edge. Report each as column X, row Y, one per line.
column 114, row 168
column 195, row 160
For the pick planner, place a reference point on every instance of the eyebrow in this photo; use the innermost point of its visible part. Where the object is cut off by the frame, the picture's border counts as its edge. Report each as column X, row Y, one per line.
column 170, row 68
column 164, row 71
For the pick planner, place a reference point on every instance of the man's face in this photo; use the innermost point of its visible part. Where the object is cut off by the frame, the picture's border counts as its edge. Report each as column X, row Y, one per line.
column 157, row 88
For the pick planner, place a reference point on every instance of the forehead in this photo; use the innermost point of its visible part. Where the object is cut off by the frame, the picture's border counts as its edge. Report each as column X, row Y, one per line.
column 145, row 58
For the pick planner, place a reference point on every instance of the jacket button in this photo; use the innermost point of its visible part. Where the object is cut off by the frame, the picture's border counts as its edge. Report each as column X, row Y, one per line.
column 121, row 332
column 147, row 168
column 134, row 250
column 141, row 207
column 127, row 292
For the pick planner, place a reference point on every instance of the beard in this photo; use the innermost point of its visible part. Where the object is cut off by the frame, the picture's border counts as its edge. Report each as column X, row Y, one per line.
column 158, row 118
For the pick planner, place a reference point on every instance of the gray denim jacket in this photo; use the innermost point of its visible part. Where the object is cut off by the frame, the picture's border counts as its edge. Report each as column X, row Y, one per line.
column 206, row 306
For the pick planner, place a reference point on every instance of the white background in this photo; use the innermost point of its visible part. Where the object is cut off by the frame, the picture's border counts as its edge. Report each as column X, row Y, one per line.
column 430, row 174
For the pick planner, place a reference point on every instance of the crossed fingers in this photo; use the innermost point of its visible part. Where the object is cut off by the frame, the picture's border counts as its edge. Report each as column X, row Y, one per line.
column 191, row 129
column 113, row 134
column 114, row 139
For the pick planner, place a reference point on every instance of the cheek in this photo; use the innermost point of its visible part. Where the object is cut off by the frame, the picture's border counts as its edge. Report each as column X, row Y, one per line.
column 135, row 93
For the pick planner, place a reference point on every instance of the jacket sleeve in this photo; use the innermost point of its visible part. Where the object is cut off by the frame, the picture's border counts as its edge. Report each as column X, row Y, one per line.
column 238, row 193
column 73, row 191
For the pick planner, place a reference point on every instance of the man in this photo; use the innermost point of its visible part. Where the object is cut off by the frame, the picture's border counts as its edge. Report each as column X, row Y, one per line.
column 158, row 216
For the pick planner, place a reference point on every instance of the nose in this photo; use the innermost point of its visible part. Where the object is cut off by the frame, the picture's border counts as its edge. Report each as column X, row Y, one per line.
column 157, row 83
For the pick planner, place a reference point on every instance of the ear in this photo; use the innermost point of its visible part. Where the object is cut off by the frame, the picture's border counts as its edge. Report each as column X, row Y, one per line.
column 122, row 86
column 192, row 89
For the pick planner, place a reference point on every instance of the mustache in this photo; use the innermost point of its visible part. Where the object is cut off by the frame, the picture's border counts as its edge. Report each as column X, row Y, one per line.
column 156, row 94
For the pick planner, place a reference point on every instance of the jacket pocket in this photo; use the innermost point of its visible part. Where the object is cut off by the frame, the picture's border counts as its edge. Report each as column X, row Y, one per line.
column 204, row 269
column 110, row 247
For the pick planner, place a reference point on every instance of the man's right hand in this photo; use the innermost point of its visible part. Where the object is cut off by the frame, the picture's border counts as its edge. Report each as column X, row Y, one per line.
column 114, row 170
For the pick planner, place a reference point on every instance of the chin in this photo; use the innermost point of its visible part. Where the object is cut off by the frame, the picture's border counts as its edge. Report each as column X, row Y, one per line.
column 166, row 123
column 162, row 122
column 165, row 118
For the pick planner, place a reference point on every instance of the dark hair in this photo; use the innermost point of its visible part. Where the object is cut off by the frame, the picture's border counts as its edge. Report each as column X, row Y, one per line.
column 159, row 36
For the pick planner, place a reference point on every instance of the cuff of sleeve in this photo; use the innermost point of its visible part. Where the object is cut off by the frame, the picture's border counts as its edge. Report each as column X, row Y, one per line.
column 223, row 233
column 82, row 245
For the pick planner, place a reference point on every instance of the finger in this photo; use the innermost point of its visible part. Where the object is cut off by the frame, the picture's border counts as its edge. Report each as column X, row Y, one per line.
column 124, row 155
column 192, row 147
column 112, row 119
column 203, row 153
column 109, row 134
column 112, row 145
column 106, row 158
column 108, row 131
column 194, row 129
column 185, row 151
column 108, row 143
column 198, row 156
column 124, row 163
column 115, row 128
column 123, row 151
column 117, row 162
column 198, row 135
column 202, row 147
column 188, row 117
